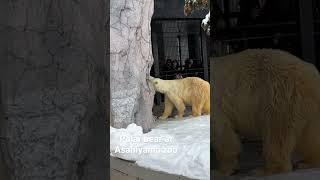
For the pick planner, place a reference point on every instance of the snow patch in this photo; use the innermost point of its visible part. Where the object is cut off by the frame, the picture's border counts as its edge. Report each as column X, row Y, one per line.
column 206, row 20
column 205, row 23
column 179, row 147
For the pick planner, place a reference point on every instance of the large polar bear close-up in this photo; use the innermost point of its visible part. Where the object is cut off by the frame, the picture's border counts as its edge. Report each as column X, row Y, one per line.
column 271, row 95
column 179, row 93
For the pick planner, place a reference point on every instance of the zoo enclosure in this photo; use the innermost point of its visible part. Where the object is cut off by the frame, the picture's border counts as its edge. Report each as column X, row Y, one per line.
column 291, row 25
column 179, row 49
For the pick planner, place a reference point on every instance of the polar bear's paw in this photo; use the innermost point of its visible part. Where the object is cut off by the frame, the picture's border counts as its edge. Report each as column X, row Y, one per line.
column 178, row 117
column 162, row 117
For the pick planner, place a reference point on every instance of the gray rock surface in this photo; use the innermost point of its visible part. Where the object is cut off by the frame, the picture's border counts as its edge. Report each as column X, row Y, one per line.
column 131, row 60
column 54, row 89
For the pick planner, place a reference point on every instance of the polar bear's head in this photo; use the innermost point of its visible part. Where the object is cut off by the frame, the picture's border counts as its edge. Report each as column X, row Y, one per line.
column 158, row 84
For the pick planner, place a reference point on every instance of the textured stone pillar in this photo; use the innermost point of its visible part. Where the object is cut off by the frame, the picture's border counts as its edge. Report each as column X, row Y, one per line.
column 3, row 47
column 54, row 87
column 131, row 60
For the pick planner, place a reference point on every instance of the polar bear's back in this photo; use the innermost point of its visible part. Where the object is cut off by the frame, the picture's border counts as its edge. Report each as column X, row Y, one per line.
column 253, row 80
column 194, row 89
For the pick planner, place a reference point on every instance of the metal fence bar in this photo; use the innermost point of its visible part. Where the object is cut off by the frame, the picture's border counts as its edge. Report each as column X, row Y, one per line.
column 306, row 31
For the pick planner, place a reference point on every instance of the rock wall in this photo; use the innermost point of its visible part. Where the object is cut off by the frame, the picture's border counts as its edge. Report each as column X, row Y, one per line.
column 131, row 60
column 54, row 89
column 3, row 45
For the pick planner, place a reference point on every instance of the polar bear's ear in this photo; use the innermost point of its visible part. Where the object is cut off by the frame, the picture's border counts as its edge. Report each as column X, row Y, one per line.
column 150, row 78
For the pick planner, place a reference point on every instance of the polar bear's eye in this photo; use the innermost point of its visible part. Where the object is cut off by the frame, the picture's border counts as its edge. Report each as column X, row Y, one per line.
column 155, row 82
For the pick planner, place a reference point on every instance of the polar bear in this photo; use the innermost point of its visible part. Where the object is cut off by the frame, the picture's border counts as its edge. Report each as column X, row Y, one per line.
column 190, row 91
column 271, row 95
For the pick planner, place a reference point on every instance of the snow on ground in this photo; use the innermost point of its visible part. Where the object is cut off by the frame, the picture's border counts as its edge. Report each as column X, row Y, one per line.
column 179, row 147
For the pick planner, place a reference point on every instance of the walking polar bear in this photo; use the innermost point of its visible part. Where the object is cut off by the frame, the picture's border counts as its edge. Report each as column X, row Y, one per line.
column 190, row 91
column 271, row 95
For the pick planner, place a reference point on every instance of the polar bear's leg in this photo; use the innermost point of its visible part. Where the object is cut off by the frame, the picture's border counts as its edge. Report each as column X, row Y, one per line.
column 168, row 107
column 178, row 102
column 196, row 110
column 227, row 144
column 278, row 143
column 206, row 107
column 277, row 158
column 180, row 107
column 197, row 106
column 309, row 145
